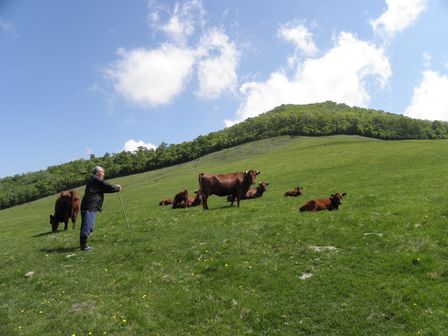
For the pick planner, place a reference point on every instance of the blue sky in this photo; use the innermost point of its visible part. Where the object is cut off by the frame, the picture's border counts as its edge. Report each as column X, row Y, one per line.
column 90, row 77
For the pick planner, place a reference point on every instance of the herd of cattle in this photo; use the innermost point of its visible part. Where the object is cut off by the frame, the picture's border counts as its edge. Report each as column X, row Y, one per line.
column 235, row 186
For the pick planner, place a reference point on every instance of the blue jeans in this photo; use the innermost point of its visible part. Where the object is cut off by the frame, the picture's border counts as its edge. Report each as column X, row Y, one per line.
column 88, row 223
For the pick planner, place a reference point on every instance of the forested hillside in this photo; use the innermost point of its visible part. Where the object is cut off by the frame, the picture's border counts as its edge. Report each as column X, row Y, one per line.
column 309, row 120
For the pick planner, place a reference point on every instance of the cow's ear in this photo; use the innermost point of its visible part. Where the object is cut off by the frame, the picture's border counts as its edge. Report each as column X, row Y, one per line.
column 332, row 196
column 258, row 172
column 344, row 194
column 246, row 172
column 51, row 217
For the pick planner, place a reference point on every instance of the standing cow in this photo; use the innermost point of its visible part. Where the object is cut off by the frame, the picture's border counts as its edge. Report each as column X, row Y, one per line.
column 65, row 208
column 233, row 184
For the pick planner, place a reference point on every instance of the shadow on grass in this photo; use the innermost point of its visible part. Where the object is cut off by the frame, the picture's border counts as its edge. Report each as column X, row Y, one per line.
column 48, row 233
column 60, row 249
column 45, row 234
column 221, row 207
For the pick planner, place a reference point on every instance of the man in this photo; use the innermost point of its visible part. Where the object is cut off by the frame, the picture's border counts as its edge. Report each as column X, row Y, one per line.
column 92, row 202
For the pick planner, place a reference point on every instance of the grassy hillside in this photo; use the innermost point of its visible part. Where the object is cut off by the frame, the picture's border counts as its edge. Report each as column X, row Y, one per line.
column 319, row 119
column 378, row 266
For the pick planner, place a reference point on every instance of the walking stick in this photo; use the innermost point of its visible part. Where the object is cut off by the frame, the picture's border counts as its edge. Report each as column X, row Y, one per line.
column 124, row 212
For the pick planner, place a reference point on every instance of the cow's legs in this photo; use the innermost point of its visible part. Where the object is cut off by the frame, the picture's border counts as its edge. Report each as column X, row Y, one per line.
column 65, row 224
column 74, row 221
column 233, row 199
column 204, row 202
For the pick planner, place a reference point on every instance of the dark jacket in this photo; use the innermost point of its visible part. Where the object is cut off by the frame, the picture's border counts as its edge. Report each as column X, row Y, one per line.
column 94, row 194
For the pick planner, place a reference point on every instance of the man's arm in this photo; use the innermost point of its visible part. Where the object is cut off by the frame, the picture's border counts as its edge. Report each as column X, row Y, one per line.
column 106, row 187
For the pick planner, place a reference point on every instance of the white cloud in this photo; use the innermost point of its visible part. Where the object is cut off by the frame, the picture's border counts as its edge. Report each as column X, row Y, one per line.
column 300, row 36
column 132, row 145
column 151, row 77
column 430, row 100
column 340, row 76
column 182, row 20
column 400, row 14
column 216, row 74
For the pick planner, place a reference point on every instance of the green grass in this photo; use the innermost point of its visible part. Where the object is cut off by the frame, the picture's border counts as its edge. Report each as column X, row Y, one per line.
column 381, row 268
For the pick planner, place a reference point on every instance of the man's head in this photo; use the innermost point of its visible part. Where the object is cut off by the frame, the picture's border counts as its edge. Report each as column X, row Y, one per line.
column 98, row 171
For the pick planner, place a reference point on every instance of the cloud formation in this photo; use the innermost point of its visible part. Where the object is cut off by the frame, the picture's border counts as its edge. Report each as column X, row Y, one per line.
column 429, row 100
column 132, row 145
column 181, row 22
column 400, row 14
column 300, row 36
column 216, row 74
column 340, row 75
column 152, row 77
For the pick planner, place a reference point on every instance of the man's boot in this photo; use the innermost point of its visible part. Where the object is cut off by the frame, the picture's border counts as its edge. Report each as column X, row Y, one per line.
column 83, row 244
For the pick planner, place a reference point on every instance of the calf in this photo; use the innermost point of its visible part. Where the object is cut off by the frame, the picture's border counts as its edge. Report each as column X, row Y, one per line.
column 65, row 208
column 295, row 192
column 194, row 201
column 253, row 192
column 167, row 201
column 180, row 200
column 329, row 204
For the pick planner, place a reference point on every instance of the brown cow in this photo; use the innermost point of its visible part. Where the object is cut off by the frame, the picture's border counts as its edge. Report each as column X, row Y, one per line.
column 180, row 200
column 295, row 192
column 66, row 207
column 329, row 204
column 167, row 201
column 194, row 201
column 234, row 184
column 253, row 192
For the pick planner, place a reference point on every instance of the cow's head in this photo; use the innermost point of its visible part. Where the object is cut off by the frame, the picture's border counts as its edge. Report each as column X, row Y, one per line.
column 337, row 199
column 251, row 175
column 54, row 223
column 299, row 191
column 262, row 186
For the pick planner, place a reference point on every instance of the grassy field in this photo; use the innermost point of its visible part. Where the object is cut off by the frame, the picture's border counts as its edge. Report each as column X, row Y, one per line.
column 378, row 266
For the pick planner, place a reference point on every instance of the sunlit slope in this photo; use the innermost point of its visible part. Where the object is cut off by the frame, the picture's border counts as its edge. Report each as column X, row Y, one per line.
column 376, row 266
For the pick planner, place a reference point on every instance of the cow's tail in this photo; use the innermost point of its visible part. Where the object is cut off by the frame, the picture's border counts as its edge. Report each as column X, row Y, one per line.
column 200, row 183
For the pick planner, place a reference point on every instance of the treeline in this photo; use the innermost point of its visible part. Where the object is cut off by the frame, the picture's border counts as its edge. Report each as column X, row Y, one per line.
column 309, row 120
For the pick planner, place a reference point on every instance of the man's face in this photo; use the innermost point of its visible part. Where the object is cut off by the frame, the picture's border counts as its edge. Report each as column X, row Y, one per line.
column 100, row 173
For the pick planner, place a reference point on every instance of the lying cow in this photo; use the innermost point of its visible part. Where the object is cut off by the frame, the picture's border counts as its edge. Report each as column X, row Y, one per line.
column 194, row 201
column 167, row 201
column 295, row 192
column 253, row 192
column 65, row 208
column 180, row 200
column 233, row 184
column 329, row 204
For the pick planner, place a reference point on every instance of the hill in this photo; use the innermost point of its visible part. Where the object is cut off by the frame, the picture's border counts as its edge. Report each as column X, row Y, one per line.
column 377, row 266
column 296, row 120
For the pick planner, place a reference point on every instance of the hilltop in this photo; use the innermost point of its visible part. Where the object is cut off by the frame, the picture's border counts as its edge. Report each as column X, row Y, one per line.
column 296, row 120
